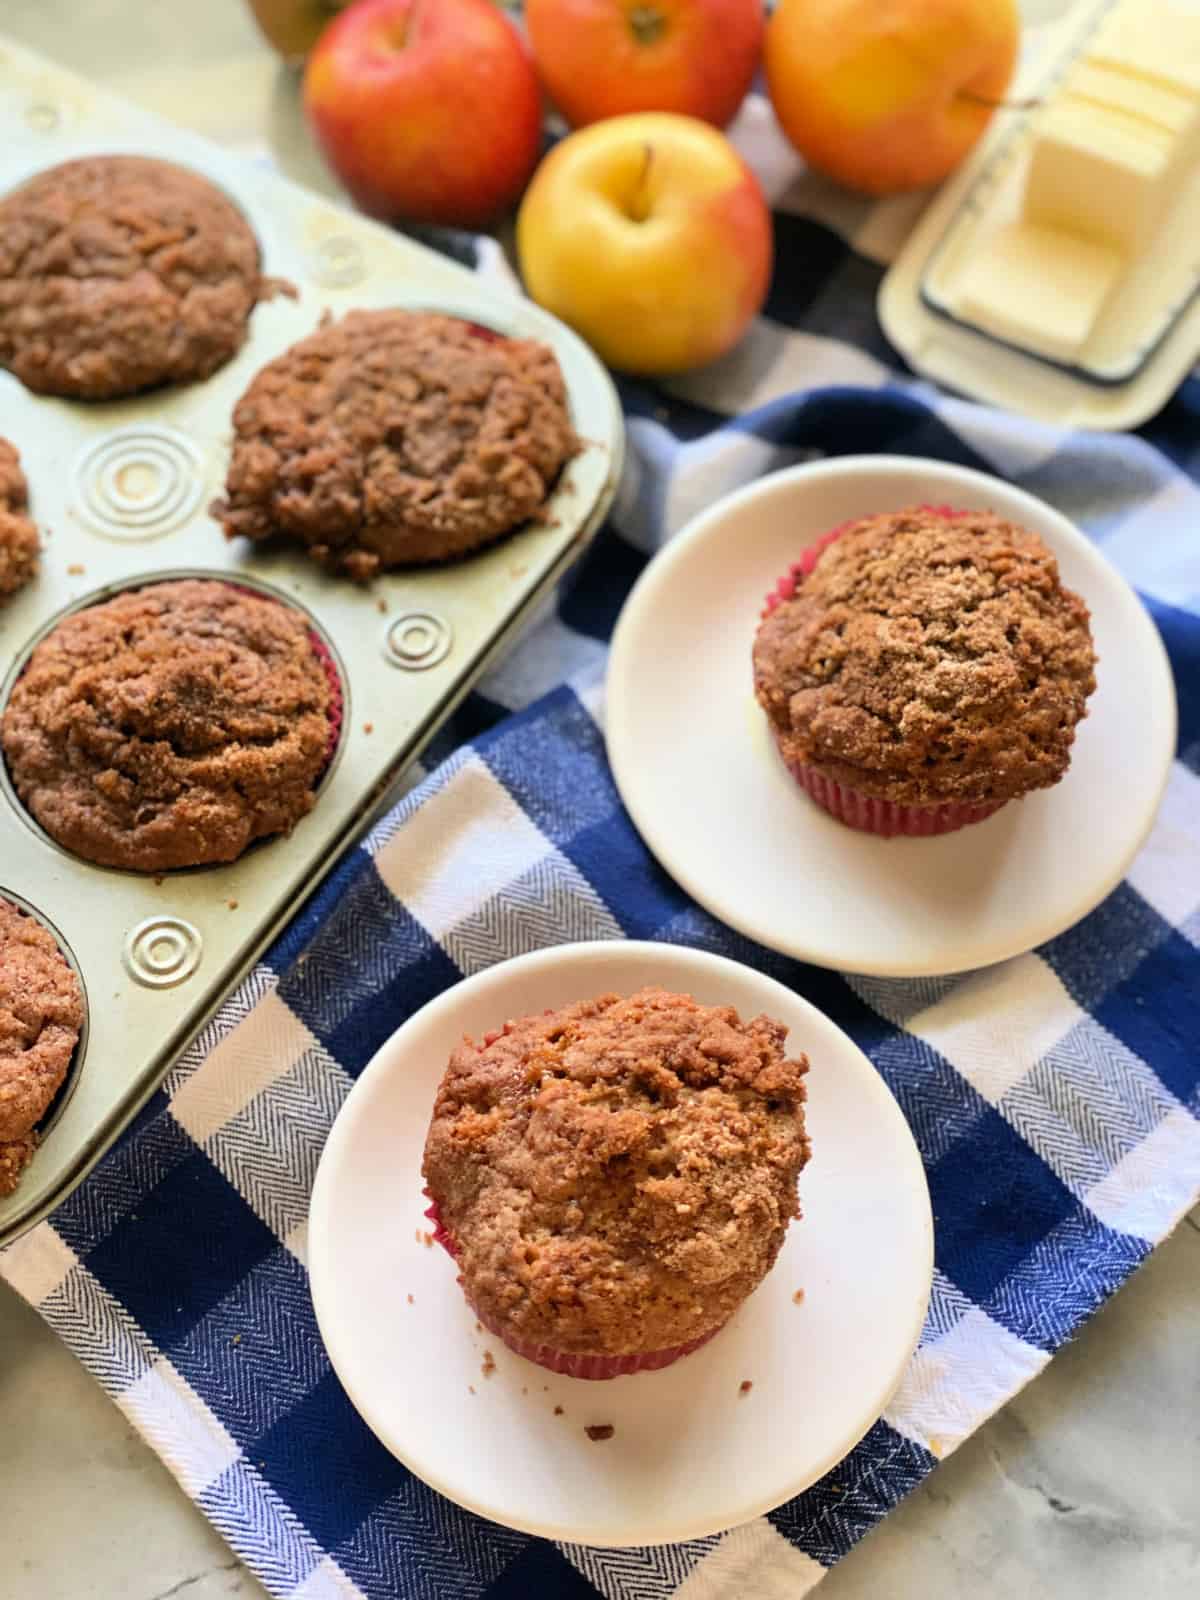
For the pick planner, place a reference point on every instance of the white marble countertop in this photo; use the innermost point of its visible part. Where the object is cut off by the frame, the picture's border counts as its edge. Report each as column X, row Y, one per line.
column 1087, row 1487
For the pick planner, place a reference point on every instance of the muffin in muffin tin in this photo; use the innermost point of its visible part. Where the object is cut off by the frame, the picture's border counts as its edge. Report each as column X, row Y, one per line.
column 18, row 536
column 120, row 273
column 173, row 725
column 396, row 438
column 41, row 1016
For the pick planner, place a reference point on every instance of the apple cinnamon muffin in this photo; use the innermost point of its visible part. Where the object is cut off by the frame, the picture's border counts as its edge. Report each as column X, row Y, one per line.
column 41, row 1014
column 119, row 273
column 921, row 668
column 18, row 536
column 614, row 1178
column 172, row 726
column 392, row 438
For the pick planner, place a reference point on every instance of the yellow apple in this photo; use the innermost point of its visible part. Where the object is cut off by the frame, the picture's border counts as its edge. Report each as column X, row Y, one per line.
column 888, row 95
column 650, row 236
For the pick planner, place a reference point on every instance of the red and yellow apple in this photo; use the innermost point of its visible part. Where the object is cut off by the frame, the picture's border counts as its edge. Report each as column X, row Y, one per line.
column 604, row 58
column 888, row 95
column 650, row 236
column 427, row 110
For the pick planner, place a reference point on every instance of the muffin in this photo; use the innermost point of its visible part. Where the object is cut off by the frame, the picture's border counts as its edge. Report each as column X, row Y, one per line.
column 41, row 1013
column 18, row 536
column 614, row 1178
column 921, row 668
column 172, row 726
column 393, row 438
column 119, row 273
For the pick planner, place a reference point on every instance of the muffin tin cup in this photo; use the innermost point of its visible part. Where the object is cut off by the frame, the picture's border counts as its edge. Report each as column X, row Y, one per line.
column 120, row 491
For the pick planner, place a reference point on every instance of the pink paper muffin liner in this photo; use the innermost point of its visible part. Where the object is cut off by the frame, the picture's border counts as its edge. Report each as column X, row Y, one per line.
column 568, row 1364
column 866, row 812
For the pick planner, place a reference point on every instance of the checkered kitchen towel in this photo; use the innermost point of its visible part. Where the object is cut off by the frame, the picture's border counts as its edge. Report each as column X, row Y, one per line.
column 1055, row 1098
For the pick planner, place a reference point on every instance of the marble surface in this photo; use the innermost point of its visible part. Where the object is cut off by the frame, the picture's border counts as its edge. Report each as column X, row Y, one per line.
column 1086, row 1487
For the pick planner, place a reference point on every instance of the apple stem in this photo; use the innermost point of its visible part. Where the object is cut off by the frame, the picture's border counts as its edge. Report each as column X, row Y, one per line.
column 639, row 208
column 648, row 24
column 1031, row 104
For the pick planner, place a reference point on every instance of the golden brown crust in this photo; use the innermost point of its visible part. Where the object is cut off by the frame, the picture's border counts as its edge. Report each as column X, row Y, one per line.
column 18, row 536
column 929, row 658
column 394, row 437
column 15, row 1156
column 618, row 1176
column 170, row 726
column 118, row 273
column 41, row 1013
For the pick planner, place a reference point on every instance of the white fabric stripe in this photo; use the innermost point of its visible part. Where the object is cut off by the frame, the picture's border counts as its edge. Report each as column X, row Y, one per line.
column 260, row 1049
column 38, row 1264
column 753, row 1562
column 193, row 1444
column 1147, row 1192
column 773, row 361
column 327, row 1582
column 1167, row 871
column 996, row 1024
column 465, row 844
column 953, row 1384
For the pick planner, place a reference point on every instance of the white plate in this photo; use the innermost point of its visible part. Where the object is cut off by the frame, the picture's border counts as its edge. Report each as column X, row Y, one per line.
column 706, row 789
column 688, row 1456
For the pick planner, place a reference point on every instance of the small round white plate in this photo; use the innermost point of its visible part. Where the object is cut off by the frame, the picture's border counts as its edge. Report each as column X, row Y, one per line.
column 689, row 1455
column 706, row 789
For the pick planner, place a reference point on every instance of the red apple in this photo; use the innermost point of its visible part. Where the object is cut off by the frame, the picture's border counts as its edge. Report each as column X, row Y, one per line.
column 603, row 58
column 427, row 110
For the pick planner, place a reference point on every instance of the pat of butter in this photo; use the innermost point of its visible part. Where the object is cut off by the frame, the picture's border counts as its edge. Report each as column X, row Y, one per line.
column 1101, row 173
column 1122, row 130
column 1160, row 105
column 1038, row 287
column 1157, row 40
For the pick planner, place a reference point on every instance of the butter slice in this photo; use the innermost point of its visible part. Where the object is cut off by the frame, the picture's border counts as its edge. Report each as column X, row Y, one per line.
column 1038, row 287
column 1157, row 40
column 1160, row 105
column 1102, row 173
column 1122, row 132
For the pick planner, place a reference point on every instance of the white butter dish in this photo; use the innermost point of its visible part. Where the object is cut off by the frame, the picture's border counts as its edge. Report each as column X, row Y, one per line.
column 1059, row 273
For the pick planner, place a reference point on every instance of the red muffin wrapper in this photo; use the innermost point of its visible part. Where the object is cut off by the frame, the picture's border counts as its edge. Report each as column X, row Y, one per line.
column 569, row 1364
column 853, row 807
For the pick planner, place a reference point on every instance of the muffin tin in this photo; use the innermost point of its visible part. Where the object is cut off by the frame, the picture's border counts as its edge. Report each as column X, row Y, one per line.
column 119, row 491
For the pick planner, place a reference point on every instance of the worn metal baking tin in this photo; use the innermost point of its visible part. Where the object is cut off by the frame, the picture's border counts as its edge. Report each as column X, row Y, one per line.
column 119, row 490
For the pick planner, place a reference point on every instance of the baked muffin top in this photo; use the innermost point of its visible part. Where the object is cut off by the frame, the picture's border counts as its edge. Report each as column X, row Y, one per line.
column 118, row 273
column 170, row 726
column 396, row 437
column 18, row 536
column 929, row 657
column 617, row 1176
column 41, row 1013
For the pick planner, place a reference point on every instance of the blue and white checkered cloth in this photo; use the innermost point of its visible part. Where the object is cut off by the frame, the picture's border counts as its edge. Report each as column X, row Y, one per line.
column 1055, row 1098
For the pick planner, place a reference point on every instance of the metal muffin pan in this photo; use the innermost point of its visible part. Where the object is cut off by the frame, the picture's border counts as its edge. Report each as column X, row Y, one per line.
column 120, row 492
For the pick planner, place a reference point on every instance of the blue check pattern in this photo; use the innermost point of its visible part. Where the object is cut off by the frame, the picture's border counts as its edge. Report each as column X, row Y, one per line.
column 1055, row 1098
